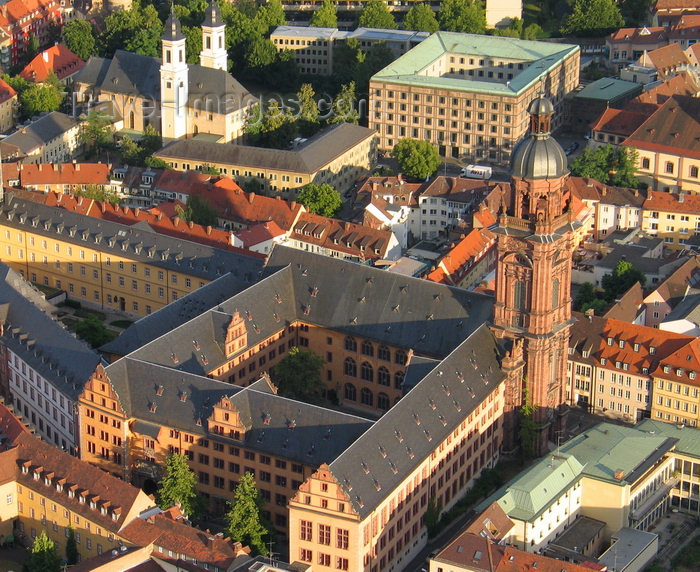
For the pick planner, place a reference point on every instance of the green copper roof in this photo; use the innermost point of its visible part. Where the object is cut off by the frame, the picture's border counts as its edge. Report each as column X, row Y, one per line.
column 688, row 437
column 607, row 449
column 539, row 57
column 610, row 89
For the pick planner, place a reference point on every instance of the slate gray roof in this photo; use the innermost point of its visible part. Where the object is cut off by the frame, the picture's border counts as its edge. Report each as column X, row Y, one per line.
column 40, row 132
column 382, row 306
column 169, row 317
column 376, row 463
column 418, row 367
column 294, row 430
column 42, row 342
column 310, row 157
column 133, row 74
column 143, row 244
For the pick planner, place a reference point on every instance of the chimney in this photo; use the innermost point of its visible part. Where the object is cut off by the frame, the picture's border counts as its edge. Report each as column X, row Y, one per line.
column 176, row 221
column 589, row 314
column 681, row 197
column 55, row 167
column 208, row 230
column 77, row 166
column 375, row 185
column 251, row 197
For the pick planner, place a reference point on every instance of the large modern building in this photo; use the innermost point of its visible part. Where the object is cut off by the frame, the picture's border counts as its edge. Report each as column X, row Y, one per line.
column 468, row 94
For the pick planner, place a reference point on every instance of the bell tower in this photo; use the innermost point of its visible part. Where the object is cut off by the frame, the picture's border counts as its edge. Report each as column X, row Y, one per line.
column 174, row 87
column 533, row 277
column 213, row 54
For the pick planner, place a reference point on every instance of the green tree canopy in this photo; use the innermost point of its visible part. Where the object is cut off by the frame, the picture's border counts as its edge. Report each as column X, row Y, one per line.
column 179, row 485
column 79, row 37
column 592, row 18
column 417, row 159
column 43, row 555
column 320, row 199
column 271, row 15
column 622, row 279
column 307, row 115
column 376, row 14
column 137, row 29
column 462, row 16
column 95, row 132
column 93, row 331
column 244, row 518
column 270, row 125
column 200, row 211
column 608, row 165
column 99, row 193
column 193, row 43
column 421, row 18
column 298, row 375
column 38, row 98
column 344, row 108
column 326, row 16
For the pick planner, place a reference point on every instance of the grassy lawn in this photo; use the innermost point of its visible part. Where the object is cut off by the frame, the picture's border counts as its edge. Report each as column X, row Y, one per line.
column 70, row 322
column 84, row 313
column 123, row 324
column 47, row 290
column 687, row 559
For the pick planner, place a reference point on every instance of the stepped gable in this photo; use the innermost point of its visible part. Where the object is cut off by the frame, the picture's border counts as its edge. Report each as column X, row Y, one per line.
column 173, row 315
column 383, row 306
column 409, row 432
column 266, row 308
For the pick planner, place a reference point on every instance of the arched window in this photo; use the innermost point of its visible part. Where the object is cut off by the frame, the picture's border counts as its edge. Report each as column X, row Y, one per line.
column 519, row 295
column 383, row 376
column 367, row 371
column 645, row 163
column 350, row 392
column 555, row 293
column 398, row 379
column 384, row 353
column 367, row 349
column 350, row 344
column 400, row 357
column 383, row 401
column 366, row 397
column 350, row 367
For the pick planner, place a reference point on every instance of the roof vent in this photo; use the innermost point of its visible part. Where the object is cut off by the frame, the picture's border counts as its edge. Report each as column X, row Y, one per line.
column 183, row 396
column 159, row 390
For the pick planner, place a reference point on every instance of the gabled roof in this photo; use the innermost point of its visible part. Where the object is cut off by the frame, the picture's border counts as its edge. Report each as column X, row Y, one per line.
column 672, row 202
column 644, row 35
column 619, row 121
column 30, row 137
column 675, row 286
column 458, row 260
column 684, row 364
column 493, row 523
column 476, row 552
column 676, row 5
column 407, row 434
column 310, row 157
column 684, row 83
column 628, row 306
column 63, row 174
column 18, row 12
column 57, row 59
column 6, row 91
column 258, row 233
column 44, row 344
column 666, row 59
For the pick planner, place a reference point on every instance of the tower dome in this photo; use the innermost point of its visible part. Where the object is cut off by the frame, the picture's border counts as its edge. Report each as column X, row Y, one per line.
column 173, row 30
column 212, row 18
column 539, row 156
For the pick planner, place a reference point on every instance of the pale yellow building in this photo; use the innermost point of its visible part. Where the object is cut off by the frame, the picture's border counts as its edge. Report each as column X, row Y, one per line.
column 53, row 138
column 8, row 106
column 677, row 388
column 337, row 157
column 675, row 217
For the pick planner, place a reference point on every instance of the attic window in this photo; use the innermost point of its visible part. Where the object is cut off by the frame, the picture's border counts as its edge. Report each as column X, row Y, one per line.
column 458, row 407
column 174, row 357
column 621, row 343
column 404, row 289
column 266, row 418
column 159, row 391
column 416, row 418
column 691, row 375
column 365, row 468
column 667, row 369
column 645, row 370
column 275, row 315
column 603, row 361
column 396, row 308
column 382, row 451
column 314, row 292
column 377, row 485
column 103, row 510
column 432, row 404
column 428, row 436
column 679, row 372
column 398, row 435
column 36, row 475
column 205, row 361
column 195, row 344
column 636, row 347
column 410, row 452
column 278, row 298
column 429, row 317
column 152, row 407
column 183, row 396
column 610, row 341
column 199, row 422
column 442, row 420
column 652, row 350
column 307, row 309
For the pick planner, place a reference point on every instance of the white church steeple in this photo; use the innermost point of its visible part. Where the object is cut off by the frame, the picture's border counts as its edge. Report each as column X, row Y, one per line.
column 213, row 54
column 174, row 86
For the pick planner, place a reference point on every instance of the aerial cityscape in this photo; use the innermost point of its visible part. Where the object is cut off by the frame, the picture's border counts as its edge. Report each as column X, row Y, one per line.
column 367, row 286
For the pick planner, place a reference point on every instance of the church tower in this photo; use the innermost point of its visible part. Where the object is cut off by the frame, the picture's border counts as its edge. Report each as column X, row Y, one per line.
column 174, row 86
column 213, row 54
column 533, row 277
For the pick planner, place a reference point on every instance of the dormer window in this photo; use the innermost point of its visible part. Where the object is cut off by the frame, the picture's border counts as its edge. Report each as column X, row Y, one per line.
column 636, row 347
column 584, row 353
column 645, row 370
column 667, row 369
column 59, row 487
column 81, row 499
column 679, row 372
column 603, row 361
column 652, row 350
column 25, row 470
column 621, row 343
column 610, row 341
column 93, row 505
column 691, row 375
column 618, row 364
column 71, row 494
column 103, row 511
column 36, row 475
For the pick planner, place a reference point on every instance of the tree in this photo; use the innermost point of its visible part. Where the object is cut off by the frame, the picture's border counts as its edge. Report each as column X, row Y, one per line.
column 79, row 37
column 462, row 16
column 532, row 32
column 271, row 15
column 179, row 485
column 528, row 428
column 38, row 98
column 244, row 518
column 432, row 515
column 421, row 18
column 93, row 331
column 155, row 163
column 193, row 43
column 417, row 159
column 95, row 132
column 43, row 556
column 298, row 375
column 585, row 295
column 307, row 117
column 622, row 279
column 634, row 12
column 200, row 211
column 326, row 16
column 375, row 14
column 344, row 107
column 592, row 18
column 71, row 548
column 98, row 193
column 624, row 168
column 320, row 199
column 608, row 165
column 138, row 29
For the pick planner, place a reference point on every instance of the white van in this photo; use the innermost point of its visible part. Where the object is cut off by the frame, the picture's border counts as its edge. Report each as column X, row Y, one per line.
column 476, row 172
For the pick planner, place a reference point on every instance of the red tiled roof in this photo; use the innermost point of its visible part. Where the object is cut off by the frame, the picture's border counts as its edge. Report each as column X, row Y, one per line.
column 619, row 121
column 639, row 35
column 674, row 128
column 58, row 59
column 515, row 560
column 676, row 5
column 493, row 523
column 15, row 11
column 627, row 307
column 675, row 286
column 666, row 59
column 6, row 91
column 64, row 174
column 668, row 202
column 259, row 233
column 683, row 363
column 167, row 531
column 346, row 237
column 459, row 260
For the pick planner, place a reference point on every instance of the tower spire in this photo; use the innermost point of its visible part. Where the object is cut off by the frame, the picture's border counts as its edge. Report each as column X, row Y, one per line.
column 213, row 53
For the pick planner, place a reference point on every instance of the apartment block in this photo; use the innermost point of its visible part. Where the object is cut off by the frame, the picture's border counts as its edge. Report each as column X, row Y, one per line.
column 44, row 366
column 676, row 387
column 468, row 94
column 8, row 106
column 107, row 264
column 337, row 156
column 53, row 138
column 673, row 217
column 313, row 48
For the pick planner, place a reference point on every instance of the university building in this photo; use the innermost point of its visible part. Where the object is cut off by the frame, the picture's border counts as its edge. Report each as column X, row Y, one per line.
column 468, row 94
